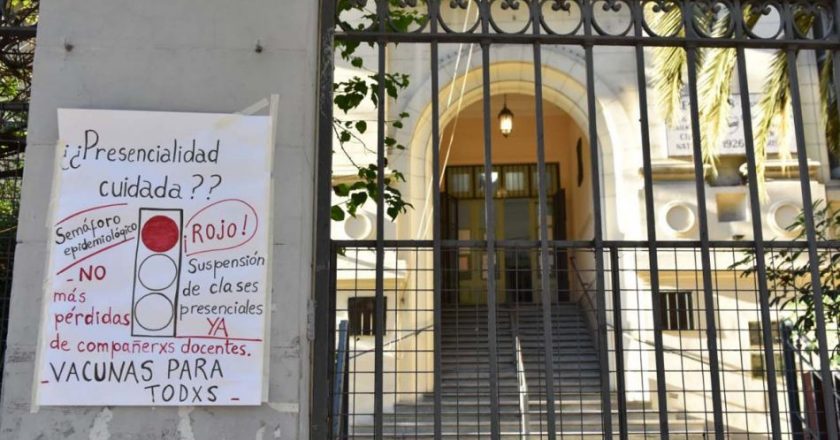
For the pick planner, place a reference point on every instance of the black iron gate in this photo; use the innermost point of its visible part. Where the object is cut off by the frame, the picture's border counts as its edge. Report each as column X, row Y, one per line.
column 649, row 359
column 17, row 50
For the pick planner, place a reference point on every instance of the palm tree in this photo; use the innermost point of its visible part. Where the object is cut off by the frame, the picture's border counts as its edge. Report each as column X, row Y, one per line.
column 786, row 270
column 715, row 67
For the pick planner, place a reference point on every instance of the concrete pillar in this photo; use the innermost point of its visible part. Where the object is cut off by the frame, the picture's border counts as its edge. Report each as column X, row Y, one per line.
column 179, row 55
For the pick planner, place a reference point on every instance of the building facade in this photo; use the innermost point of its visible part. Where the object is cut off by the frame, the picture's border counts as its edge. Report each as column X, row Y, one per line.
column 600, row 286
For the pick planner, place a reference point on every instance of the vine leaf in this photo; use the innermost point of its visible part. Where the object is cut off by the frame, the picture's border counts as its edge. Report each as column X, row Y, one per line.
column 349, row 95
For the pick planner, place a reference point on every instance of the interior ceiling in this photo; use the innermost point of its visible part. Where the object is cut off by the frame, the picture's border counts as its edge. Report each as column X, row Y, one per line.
column 520, row 105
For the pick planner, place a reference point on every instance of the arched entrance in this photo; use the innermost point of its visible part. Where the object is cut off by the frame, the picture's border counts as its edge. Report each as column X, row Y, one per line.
column 563, row 89
column 515, row 195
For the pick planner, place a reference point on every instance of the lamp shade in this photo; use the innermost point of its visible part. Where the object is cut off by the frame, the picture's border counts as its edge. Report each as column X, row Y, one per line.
column 506, row 120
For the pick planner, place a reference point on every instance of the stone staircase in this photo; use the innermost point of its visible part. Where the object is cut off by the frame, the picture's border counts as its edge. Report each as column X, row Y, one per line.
column 465, row 376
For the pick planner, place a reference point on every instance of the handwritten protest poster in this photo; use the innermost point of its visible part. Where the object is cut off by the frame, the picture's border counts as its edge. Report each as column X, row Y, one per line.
column 159, row 257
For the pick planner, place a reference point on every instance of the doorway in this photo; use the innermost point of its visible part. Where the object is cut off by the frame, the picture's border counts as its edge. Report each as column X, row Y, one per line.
column 517, row 220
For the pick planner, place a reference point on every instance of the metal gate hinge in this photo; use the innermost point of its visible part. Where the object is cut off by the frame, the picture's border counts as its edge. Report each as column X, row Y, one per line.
column 310, row 319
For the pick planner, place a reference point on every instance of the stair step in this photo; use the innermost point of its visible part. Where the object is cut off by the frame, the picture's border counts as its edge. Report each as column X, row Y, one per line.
column 536, row 323
column 564, row 403
column 512, row 414
column 451, row 356
column 565, row 391
column 561, row 363
column 566, row 369
column 592, row 397
column 509, row 370
column 580, row 340
column 573, row 391
column 505, row 308
column 465, row 385
column 562, row 420
column 510, row 427
column 464, row 434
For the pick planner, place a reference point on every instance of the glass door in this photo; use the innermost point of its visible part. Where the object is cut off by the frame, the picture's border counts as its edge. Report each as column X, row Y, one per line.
column 517, row 219
column 472, row 261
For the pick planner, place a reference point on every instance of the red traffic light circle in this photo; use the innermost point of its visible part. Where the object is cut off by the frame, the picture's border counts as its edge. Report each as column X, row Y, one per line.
column 160, row 233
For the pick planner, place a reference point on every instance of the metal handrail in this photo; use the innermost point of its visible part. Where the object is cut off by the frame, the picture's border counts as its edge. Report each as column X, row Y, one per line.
column 801, row 423
column 803, row 359
column 339, row 417
column 588, row 306
column 394, row 341
column 583, row 284
column 521, row 377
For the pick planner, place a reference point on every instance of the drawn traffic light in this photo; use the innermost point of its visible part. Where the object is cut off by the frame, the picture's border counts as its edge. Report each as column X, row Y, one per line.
column 157, row 272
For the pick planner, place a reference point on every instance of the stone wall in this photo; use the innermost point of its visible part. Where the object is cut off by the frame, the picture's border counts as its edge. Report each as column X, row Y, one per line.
column 180, row 55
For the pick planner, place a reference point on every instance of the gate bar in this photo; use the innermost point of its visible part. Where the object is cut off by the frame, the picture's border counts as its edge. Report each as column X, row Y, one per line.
column 323, row 353
column 436, row 220
column 789, row 353
column 580, row 40
column 835, row 54
column 597, row 217
column 650, row 214
column 811, row 234
column 703, row 220
column 545, row 283
column 758, row 233
column 618, row 329
column 490, row 228
column 379, row 322
column 581, row 244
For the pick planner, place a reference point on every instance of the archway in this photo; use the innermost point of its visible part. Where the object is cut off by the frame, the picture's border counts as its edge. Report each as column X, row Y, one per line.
column 564, row 91
column 515, row 199
column 564, row 88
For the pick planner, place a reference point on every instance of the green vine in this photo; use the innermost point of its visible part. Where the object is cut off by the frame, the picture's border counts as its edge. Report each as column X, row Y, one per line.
column 349, row 95
column 789, row 279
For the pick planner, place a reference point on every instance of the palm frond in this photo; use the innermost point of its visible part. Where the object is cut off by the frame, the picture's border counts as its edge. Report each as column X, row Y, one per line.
column 669, row 64
column 828, row 99
column 714, row 87
column 715, row 73
column 783, row 130
column 774, row 101
column 714, row 90
column 774, row 107
column 804, row 21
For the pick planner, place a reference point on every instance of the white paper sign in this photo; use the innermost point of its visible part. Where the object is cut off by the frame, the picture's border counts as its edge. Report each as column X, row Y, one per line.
column 159, row 257
column 680, row 139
